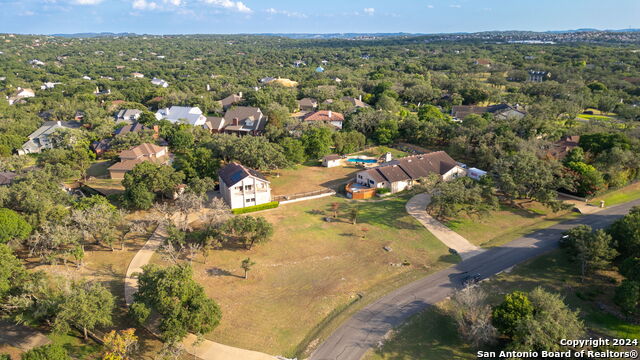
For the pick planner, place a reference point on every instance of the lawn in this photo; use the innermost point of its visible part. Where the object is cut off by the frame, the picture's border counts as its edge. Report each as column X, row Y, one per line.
column 99, row 169
column 507, row 223
column 615, row 197
column 432, row 334
column 106, row 186
column 311, row 267
column 378, row 151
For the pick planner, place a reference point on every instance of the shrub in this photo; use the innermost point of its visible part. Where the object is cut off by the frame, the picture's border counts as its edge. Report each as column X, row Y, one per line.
column 47, row 352
column 249, row 209
column 381, row 191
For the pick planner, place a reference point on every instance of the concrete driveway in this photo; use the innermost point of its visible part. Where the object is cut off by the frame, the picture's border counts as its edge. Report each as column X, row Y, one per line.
column 416, row 207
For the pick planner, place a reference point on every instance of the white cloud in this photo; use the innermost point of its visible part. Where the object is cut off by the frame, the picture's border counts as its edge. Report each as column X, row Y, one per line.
column 455, row 6
column 294, row 14
column 429, row 6
column 87, row 2
column 231, row 5
column 173, row 2
column 144, row 5
column 369, row 11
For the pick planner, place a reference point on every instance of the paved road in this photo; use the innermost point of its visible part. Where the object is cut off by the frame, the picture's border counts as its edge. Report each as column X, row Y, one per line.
column 416, row 207
column 368, row 326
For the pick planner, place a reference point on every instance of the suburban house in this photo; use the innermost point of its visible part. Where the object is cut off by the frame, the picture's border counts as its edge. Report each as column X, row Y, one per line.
column 39, row 139
column 128, row 115
column 401, row 174
column 6, row 177
column 357, row 103
column 560, row 149
column 307, row 104
column 231, row 100
column 538, row 76
column 332, row 160
column 20, row 94
column 137, row 75
column 134, row 156
column 100, row 147
column 49, row 85
column 182, row 114
column 159, row 82
column 241, row 187
column 326, row 116
column 499, row 111
column 240, row 120
column 482, row 62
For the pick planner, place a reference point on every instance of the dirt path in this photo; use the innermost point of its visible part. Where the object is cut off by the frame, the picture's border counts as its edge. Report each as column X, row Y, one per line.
column 206, row 349
column 416, row 207
column 21, row 337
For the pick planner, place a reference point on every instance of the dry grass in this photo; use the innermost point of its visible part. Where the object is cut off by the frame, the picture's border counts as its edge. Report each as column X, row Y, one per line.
column 310, row 177
column 311, row 267
column 106, row 186
column 507, row 223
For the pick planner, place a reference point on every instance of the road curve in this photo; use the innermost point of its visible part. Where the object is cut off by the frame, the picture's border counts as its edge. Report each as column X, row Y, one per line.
column 367, row 328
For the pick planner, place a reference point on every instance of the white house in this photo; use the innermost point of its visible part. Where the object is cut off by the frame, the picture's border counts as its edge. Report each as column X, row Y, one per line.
column 184, row 114
column 159, row 82
column 401, row 174
column 242, row 187
column 137, row 75
column 49, row 85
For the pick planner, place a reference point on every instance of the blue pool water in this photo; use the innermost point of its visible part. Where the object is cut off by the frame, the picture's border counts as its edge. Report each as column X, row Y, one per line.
column 367, row 161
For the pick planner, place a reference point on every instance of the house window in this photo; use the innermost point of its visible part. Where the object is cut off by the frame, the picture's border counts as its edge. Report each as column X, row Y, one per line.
column 251, row 200
column 247, row 187
column 371, row 182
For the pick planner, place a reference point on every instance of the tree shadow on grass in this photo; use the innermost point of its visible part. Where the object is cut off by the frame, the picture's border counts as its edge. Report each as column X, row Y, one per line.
column 216, row 271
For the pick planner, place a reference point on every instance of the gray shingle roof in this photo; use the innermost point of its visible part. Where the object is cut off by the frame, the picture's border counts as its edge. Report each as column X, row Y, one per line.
column 233, row 173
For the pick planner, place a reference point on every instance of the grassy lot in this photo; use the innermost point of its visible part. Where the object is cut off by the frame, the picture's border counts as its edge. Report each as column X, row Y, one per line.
column 432, row 334
column 378, row 151
column 311, row 267
column 615, row 197
column 507, row 223
column 106, row 186
column 310, row 177
column 99, row 168
column 596, row 117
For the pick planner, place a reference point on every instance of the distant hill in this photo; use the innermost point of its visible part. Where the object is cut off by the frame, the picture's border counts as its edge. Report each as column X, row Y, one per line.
column 94, row 35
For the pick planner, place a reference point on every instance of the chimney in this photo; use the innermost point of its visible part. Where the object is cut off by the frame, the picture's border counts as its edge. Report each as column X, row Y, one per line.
column 240, row 94
column 59, row 123
column 360, row 97
column 234, row 121
column 330, row 114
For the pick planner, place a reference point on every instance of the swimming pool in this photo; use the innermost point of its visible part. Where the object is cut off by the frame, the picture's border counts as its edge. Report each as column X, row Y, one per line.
column 366, row 161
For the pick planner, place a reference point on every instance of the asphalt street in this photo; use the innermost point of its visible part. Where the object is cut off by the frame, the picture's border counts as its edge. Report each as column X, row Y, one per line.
column 367, row 327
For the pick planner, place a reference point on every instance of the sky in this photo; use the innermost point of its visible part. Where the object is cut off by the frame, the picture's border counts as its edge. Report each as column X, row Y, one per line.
column 318, row 16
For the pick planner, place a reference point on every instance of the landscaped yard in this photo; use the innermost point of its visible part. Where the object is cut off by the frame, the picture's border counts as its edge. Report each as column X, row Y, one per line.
column 432, row 334
column 311, row 267
column 507, row 223
column 625, row 194
column 106, row 186
column 378, row 151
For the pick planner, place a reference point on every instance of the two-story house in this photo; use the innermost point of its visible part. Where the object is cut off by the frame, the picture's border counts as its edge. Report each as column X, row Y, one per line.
column 326, row 116
column 242, row 187
column 239, row 120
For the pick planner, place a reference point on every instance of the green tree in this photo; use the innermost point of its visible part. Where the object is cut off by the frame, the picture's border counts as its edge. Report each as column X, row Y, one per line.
column 592, row 250
column 248, row 230
column 246, row 265
column 181, row 303
column 386, row 132
column 294, row 150
column 515, row 308
column 347, row 142
column 13, row 226
column 628, row 296
column 12, row 272
column 626, row 233
column 590, row 181
column 46, row 352
column 87, row 306
column 317, row 141
column 552, row 321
